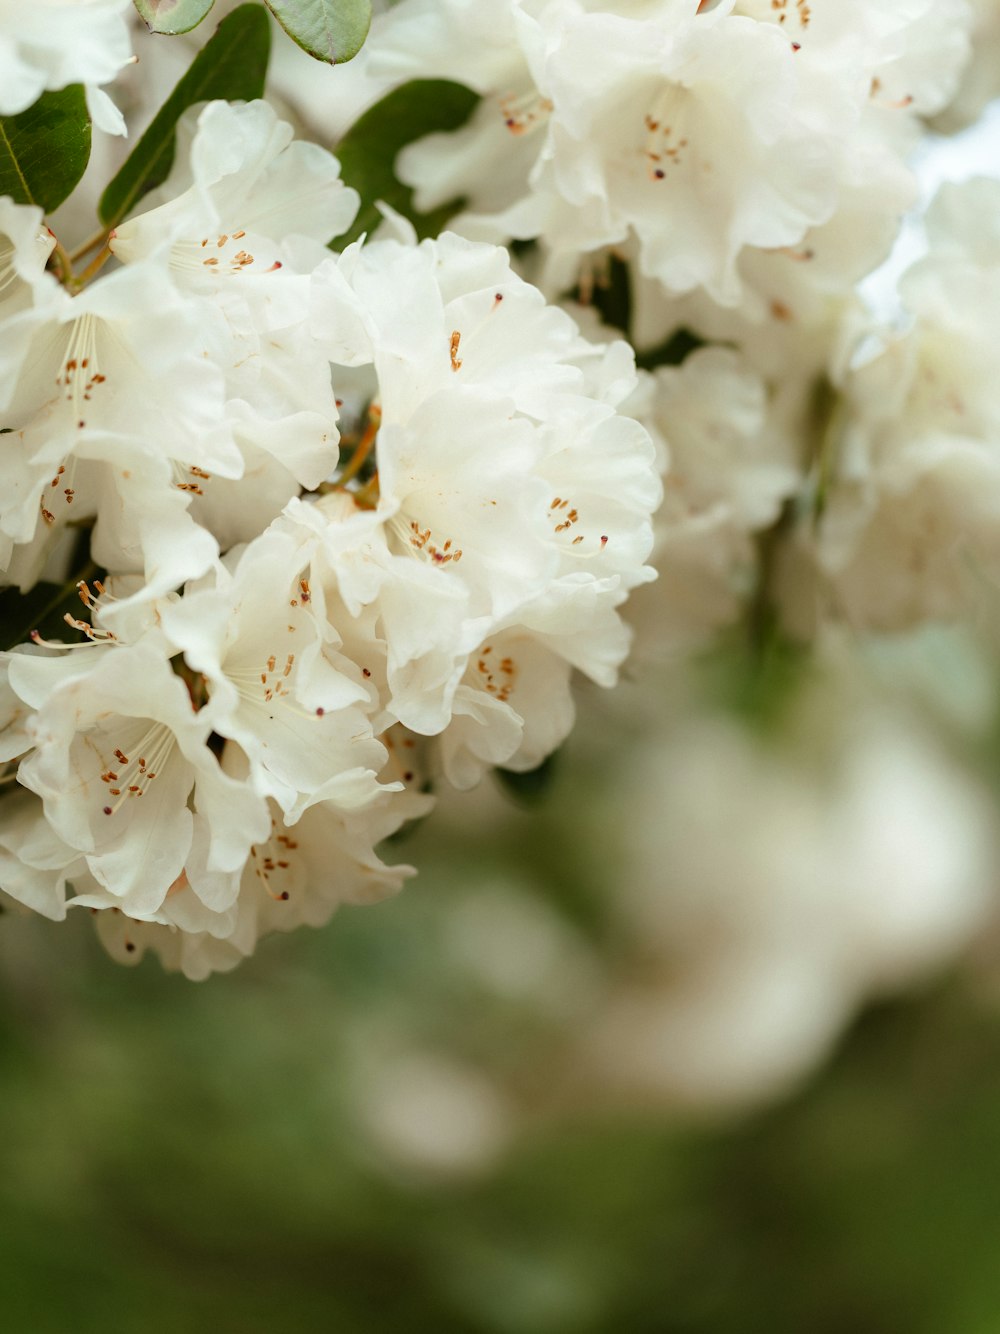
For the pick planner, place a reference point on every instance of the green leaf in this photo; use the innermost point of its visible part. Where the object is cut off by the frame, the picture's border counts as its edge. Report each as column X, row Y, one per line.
column 172, row 16
column 674, row 350
column 330, row 30
column 232, row 65
column 43, row 608
column 612, row 295
column 45, row 150
column 368, row 151
column 532, row 786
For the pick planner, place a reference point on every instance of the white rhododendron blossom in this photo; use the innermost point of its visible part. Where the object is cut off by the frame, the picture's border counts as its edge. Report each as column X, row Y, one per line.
column 980, row 82
column 509, row 496
column 732, row 466
column 49, row 44
column 326, row 482
column 701, row 130
column 860, row 864
column 356, row 518
column 912, row 526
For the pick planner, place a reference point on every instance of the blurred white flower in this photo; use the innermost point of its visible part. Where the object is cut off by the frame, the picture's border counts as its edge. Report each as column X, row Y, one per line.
column 769, row 887
column 912, row 527
column 732, row 464
column 49, row 44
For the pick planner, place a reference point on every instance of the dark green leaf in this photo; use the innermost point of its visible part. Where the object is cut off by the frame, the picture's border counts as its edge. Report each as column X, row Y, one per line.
column 612, row 295
column 45, row 150
column 671, row 352
column 529, row 788
column 232, row 66
column 41, row 609
column 368, row 151
column 172, row 16
column 330, row 30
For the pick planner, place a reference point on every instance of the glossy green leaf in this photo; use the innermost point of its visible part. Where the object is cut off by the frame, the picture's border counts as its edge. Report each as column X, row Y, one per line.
column 45, row 150
column 330, row 30
column 368, row 151
column 172, row 16
column 232, row 65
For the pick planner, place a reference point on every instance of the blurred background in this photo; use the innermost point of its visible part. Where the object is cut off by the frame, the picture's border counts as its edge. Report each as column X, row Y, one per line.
column 700, row 1034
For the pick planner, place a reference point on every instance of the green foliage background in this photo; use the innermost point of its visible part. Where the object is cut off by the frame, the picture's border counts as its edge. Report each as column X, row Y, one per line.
column 179, row 1156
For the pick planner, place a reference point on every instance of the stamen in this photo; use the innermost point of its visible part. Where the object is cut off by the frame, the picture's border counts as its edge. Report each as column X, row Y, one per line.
column 270, row 858
column 498, row 682
column 665, row 143
column 186, row 256
column 183, row 473
column 132, row 777
column 265, row 687
column 79, row 374
column 525, row 114
column 421, row 541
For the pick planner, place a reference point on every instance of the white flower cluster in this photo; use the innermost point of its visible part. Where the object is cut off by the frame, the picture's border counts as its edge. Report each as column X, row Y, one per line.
column 702, row 132
column 338, row 506
column 353, row 519
column 911, row 530
column 749, row 161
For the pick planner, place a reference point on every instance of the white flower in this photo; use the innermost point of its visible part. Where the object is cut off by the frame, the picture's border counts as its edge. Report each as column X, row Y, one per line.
column 513, row 707
column 907, row 54
column 980, row 82
column 732, row 464
column 703, row 131
column 242, row 197
column 50, row 44
column 294, row 877
column 769, row 887
column 126, row 369
column 247, row 215
column 272, row 687
column 118, row 752
column 912, row 528
column 25, row 245
column 506, row 492
column 795, row 301
column 700, row 131
column 35, row 864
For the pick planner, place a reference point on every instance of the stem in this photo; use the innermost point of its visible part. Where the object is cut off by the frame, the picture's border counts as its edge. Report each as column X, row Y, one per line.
column 763, row 620
column 367, row 498
column 63, row 264
column 364, row 445
column 828, row 413
column 94, row 267
column 91, row 242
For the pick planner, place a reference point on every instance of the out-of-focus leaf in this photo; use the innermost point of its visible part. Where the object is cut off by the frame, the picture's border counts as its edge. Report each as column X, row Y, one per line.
column 43, row 608
column 172, row 16
column 611, row 296
column 232, row 65
column 330, row 30
column 368, row 151
column 531, row 786
column 671, row 352
column 45, row 150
